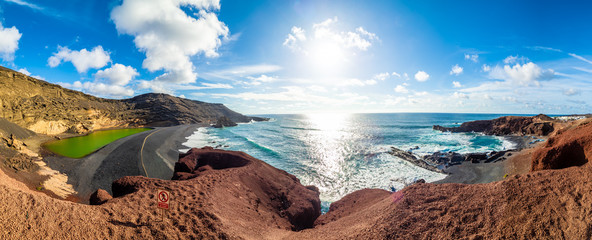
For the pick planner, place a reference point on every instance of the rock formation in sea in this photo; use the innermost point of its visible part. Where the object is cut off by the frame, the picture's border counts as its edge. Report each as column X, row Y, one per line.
column 540, row 125
column 224, row 122
column 47, row 108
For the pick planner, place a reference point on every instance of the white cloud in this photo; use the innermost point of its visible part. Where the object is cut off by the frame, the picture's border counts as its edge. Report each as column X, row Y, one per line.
column 169, row 88
column 510, row 59
column 405, row 76
column 583, row 69
column 100, row 89
column 421, row 76
column 325, row 35
column 117, row 74
column 515, row 59
column 401, row 89
column 472, row 57
column 38, row 77
column 357, row 82
column 580, row 58
column 486, row 68
column 456, row 84
column 571, row 92
column 456, row 70
column 460, row 95
column 545, row 49
column 261, row 79
column 82, row 60
column 396, row 74
column 211, row 86
column 239, row 72
column 293, row 39
column 169, row 36
column 24, row 71
column 525, row 75
column 317, row 88
column 26, row 4
column 9, row 38
column 382, row 76
column 290, row 94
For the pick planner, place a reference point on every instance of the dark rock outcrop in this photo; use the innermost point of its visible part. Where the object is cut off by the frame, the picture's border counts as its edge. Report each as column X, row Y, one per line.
column 439, row 161
column 99, row 197
column 410, row 157
column 540, row 125
column 224, row 122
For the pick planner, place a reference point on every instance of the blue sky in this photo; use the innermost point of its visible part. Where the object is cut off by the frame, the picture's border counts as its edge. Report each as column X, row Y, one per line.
column 312, row 56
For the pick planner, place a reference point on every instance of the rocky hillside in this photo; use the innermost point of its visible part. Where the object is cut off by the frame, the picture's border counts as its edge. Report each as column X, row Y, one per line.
column 164, row 109
column 48, row 108
column 540, row 125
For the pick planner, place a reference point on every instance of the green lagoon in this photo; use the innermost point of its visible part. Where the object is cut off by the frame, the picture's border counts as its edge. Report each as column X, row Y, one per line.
column 78, row 147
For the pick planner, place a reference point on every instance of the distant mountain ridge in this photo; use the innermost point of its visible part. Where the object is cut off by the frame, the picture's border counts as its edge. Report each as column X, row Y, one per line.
column 48, row 108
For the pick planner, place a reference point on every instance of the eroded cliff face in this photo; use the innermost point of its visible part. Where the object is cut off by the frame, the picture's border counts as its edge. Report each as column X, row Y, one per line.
column 567, row 149
column 50, row 109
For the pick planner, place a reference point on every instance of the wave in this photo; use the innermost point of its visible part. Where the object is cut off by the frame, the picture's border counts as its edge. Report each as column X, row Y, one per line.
column 300, row 128
column 403, row 127
column 258, row 146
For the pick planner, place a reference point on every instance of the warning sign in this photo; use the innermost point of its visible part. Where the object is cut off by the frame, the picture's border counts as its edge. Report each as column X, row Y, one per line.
column 163, row 197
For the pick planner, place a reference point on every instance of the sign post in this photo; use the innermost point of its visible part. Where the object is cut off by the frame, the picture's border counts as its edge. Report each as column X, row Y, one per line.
column 163, row 199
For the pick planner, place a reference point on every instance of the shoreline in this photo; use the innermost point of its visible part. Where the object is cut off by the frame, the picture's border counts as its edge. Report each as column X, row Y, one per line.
column 121, row 158
column 513, row 162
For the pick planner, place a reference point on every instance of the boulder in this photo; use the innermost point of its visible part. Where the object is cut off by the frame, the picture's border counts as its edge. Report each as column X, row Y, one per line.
column 475, row 157
column 224, row 122
column 99, row 197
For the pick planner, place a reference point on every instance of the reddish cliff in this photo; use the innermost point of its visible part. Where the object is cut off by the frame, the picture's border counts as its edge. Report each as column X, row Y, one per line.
column 570, row 148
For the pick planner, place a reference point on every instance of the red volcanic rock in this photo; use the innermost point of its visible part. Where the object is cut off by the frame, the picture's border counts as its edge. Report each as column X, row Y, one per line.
column 239, row 188
column 196, row 161
column 569, row 148
column 99, row 197
column 540, row 125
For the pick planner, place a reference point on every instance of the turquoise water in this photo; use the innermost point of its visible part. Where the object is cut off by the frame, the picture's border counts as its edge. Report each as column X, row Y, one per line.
column 344, row 153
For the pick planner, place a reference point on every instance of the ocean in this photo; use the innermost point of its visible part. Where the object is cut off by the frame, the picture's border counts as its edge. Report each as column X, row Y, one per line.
column 342, row 153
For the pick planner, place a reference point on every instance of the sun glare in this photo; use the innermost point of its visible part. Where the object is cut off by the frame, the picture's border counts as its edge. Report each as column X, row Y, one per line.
column 326, row 58
column 328, row 122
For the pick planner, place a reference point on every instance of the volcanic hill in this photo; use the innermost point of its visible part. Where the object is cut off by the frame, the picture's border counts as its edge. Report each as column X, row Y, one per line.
column 48, row 108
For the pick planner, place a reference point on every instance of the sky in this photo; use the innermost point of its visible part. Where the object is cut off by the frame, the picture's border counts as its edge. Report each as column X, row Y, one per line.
column 309, row 56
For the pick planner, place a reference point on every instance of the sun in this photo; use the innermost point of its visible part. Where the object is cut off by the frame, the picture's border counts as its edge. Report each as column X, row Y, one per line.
column 326, row 58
